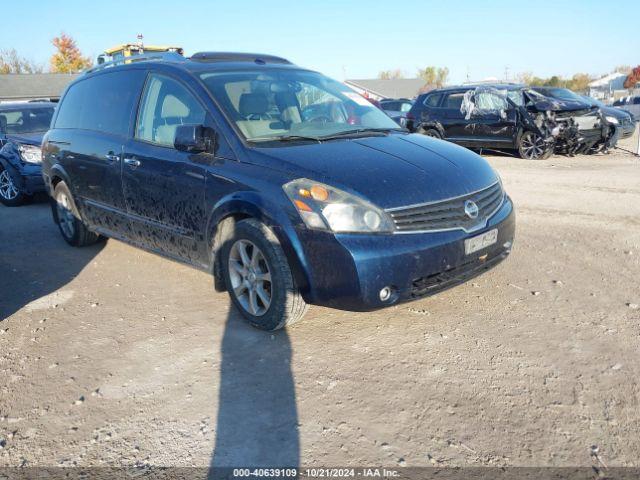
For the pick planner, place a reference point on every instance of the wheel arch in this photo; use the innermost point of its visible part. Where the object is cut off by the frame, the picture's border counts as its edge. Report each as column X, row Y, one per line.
column 242, row 205
column 56, row 175
column 431, row 125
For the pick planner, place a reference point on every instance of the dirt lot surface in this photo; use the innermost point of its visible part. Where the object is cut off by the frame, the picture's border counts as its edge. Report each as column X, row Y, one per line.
column 113, row 356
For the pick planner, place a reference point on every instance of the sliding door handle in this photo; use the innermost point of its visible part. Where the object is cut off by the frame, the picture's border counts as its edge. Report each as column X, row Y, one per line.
column 112, row 157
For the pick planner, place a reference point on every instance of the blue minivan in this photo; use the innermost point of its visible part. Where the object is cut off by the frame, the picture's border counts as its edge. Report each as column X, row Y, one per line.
column 289, row 187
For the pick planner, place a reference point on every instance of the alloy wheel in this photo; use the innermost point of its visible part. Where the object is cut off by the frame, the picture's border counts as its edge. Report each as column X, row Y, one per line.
column 532, row 146
column 8, row 190
column 250, row 277
column 66, row 219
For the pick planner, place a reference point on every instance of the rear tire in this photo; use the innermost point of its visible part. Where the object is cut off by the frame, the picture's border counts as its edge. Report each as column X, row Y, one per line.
column 10, row 195
column 258, row 277
column 533, row 147
column 66, row 216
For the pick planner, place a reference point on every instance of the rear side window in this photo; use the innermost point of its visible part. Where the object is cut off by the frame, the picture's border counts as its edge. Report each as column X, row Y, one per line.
column 103, row 103
column 165, row 105
column 454, row 101
column 390, row 106
column 433, row 100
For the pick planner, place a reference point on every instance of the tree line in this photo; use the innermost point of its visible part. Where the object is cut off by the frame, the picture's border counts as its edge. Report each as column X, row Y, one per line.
column 67, row 58
column 436, row 77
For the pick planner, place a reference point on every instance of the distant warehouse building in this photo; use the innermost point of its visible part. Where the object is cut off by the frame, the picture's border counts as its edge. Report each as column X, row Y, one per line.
column 608, row 87
column 15, row 87
column 377, row 89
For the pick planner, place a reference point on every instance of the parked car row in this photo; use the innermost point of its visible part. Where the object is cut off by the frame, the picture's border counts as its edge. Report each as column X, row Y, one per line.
column 630, row 104
column 22, row 126
column 289, row 187
column 535, row 122
column 397, row 109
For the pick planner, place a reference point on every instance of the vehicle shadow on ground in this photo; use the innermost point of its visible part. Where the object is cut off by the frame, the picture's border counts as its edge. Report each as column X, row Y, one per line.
column 257, row 424
column 34, row 259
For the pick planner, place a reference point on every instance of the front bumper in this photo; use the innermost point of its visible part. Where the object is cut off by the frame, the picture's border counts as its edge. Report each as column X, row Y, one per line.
column 627, row 130
column 349, row 271
column 27, row 177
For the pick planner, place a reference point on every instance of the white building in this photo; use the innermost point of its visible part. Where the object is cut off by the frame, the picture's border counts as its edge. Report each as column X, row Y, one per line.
column 605, row 88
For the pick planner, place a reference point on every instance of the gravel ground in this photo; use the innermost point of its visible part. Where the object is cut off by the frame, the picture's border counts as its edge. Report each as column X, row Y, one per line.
column 113, row 356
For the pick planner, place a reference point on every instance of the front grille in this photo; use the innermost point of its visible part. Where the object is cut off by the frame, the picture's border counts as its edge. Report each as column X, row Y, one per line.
column 449, row 214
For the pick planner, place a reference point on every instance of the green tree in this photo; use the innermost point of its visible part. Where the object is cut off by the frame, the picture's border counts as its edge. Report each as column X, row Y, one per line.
column 434, row 75
column 11, row 62
column 428, row 74
column 390, row 74
column 554, row 81
column 68, row 58
column 579, row 82
column 442, row 76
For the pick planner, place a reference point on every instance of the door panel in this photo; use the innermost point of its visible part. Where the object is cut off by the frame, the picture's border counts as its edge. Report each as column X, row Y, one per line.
column 163, row 187
column 164, row 194
column 93, row 164
column 493, row 119
column 456, row 127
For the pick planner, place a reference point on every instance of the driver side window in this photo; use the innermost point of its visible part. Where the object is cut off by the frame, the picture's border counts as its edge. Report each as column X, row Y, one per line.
column 166, row 104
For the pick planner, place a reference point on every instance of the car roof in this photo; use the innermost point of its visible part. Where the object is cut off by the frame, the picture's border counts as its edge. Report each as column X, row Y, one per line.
column 471, row 86
column 25, row 105
column 198, row 62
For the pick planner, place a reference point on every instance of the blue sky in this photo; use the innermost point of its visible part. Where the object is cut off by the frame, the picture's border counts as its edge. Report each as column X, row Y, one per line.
column 356, row 38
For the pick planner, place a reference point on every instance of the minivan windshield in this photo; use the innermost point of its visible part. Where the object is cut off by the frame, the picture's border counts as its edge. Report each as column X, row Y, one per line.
column 282, row 105
column 25, row 120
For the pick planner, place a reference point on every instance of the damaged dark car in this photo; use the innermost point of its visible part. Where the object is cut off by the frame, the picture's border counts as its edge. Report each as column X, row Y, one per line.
column 22, row 126
column 622, row 124
column 507, row 117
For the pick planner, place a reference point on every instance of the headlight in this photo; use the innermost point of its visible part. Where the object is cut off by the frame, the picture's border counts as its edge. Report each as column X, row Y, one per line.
column 613, row 120
column 30, row 153
column 327, row 208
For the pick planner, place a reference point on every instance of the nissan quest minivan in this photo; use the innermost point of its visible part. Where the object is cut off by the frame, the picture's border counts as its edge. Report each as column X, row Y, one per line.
column 289, row 187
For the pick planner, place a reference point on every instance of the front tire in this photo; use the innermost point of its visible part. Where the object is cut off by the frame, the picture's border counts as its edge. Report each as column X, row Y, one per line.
column 533, row 147
column 66, row 216
column 10, row 194
column 258, row 277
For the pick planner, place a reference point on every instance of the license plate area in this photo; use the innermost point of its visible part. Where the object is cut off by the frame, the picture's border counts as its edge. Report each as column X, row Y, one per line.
column 477, row 243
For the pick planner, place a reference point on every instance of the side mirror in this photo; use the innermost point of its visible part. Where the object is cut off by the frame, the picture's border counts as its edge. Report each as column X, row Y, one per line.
column 194, row 139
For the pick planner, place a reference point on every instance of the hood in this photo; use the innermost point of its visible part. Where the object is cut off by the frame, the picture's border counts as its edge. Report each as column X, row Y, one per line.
column 390, row 171
column 34, row 138
column 543, row 103
column 616, row 113
column 561, row 105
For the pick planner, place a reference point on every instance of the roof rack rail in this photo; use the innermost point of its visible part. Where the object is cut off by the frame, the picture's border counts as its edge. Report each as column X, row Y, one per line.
column 147, row 57
column 258, row 58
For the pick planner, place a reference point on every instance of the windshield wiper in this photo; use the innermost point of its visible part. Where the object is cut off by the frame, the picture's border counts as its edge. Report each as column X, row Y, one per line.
column 285, row 138
column 362, row 132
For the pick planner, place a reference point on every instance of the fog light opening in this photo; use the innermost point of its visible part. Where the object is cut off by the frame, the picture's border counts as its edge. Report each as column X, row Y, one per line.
column 386, row 294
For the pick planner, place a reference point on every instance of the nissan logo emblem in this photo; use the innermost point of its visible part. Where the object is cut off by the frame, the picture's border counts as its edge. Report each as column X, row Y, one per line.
column 471, row 209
